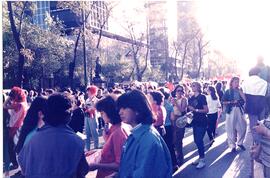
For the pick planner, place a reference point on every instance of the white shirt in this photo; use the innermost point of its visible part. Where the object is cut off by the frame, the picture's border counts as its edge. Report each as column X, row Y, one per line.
column 213, row 105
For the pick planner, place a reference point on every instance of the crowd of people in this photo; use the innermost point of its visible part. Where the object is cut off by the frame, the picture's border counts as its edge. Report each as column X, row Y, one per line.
column 43, row 132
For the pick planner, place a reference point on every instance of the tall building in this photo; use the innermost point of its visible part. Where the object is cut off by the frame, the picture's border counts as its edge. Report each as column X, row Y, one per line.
column 43, row 7
column 97, row 17
column 184, row 8
column 158, row 37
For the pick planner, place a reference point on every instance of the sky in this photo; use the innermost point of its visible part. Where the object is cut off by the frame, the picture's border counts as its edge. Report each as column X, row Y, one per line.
column 239, row 29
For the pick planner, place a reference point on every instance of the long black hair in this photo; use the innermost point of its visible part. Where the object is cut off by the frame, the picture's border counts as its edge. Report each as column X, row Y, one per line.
column 31, row 119
column 213, row 92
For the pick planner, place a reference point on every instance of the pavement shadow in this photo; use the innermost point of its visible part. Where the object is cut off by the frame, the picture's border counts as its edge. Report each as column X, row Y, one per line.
column 217, row 162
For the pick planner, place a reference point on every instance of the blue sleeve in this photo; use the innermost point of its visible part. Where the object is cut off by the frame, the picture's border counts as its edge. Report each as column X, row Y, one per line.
column 151, row 160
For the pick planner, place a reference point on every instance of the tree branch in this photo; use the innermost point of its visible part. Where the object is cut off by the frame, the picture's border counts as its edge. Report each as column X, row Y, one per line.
column 21, row 17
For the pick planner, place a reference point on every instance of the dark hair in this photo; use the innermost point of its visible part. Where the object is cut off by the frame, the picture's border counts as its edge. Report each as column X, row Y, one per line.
column 108, row 105
column 165, row 92
column 31, row 119
column 176, row 88
column 77, row 101
column 219, row 86
column 138, row 102
column 157, row 96
column 213, row 92
column 58, row 109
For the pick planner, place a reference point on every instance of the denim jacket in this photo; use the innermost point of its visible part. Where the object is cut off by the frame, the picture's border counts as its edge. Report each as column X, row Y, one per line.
column 145, row 155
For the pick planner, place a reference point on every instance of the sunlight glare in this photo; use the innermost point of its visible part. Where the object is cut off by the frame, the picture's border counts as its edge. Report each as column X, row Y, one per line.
column 239, row 29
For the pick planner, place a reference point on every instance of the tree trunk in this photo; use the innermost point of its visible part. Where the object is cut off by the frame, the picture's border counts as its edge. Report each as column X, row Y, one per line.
column 72, row 64
column 183, row 60
column 19, row 45
column 139, row 77
column 175, row 63
column 200, row 59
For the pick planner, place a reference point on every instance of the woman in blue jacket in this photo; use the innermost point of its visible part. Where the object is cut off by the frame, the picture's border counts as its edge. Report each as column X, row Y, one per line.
column 145, row 153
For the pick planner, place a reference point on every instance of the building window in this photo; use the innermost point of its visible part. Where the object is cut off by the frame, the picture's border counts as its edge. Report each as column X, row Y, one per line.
column 39, row 16
column 98, row 15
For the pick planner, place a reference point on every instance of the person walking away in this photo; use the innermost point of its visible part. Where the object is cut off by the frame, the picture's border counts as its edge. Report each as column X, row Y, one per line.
column 255, row 90
column 54, row 151
column 77, row 118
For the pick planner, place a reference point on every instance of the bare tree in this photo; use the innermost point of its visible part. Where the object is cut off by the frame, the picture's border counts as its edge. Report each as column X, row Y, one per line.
column 201, row 47
column 136, row 50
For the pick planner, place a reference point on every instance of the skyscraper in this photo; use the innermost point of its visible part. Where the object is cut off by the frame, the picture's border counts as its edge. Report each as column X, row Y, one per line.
column 158, row 37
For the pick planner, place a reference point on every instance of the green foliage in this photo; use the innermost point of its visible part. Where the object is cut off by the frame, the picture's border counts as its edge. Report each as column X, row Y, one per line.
column 45, row 50
column 119, row 71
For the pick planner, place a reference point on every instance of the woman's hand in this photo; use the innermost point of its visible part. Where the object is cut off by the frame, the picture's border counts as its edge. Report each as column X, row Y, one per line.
column 259, row 129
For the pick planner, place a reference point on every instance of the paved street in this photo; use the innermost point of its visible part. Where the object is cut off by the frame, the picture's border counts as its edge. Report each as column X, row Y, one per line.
column 220, row 162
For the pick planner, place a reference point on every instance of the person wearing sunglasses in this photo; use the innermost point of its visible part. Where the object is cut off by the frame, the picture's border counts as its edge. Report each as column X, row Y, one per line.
column 179, row 109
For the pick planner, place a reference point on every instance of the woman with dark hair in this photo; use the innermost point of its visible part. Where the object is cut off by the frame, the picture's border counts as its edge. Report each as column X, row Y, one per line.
column 233, row 100
column 114, row 137
column 156, row 99
column 180, row 104
column 219, row 90
column 198, row 105
column 145, row 153
column 32, row 121
column 213, row 106
column 54, row 151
